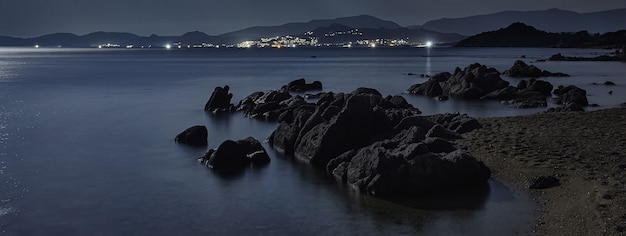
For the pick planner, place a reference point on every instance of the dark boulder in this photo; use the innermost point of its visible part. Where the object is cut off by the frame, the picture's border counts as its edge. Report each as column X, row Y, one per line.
column 543, row 182
column 439, row 131
column 354, row 127
column 235, row 155
column 430, row 88
column 540, row 86
column 194, row 136
column 459, row 123
column 220, row 100
column 410, row 169
column 571, row 94
column 503, row 94
column 300, row 85
column 521, row 69
column 362, row 90
column 473, row 82
column 270, row 105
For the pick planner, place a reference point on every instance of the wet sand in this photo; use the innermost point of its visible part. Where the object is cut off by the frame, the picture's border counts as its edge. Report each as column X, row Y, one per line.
column 586, row 151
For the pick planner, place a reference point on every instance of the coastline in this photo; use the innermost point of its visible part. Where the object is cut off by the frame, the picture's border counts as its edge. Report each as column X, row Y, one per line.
column 586, row 151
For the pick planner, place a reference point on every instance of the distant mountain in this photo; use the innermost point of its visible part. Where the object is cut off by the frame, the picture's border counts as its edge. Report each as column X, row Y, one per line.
column 362, row 21
column 552, row 20
column 350, row 34
column 369, row 26
column 521, row 35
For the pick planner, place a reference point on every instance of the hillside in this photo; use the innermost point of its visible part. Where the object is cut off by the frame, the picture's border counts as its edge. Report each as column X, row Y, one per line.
column 552, row 20
column 522, row 35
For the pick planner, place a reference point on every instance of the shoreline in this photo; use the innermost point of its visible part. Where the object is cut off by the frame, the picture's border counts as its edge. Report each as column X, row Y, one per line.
column 586, row 151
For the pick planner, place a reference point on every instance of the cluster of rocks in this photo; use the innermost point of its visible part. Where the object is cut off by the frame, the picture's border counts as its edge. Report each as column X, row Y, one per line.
column 617, row 56
column 473, row 82
column 228, row 156
column 477, row 81
column 377, row 145
column 521, row 69
column 300, row 85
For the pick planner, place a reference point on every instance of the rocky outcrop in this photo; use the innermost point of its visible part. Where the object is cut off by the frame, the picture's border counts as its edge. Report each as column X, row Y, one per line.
column 479, row 82
column 571, row 98
column 560, row 57
column 378, row 145
column 521, row 69
column 268, row 106
column 220, row 100
column 571, row 94
column 194, row 136
column 300, row 85
column 473, row 82
column 235, row 155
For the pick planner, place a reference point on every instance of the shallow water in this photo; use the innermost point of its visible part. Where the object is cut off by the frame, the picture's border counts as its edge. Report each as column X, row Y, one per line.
column 86, row 143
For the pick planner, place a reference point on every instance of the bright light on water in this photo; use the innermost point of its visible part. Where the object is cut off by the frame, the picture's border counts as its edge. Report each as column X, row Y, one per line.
column 429, row 44
column 168, row 46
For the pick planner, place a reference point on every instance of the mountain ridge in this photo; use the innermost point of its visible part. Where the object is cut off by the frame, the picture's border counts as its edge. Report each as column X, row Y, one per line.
column 550, row 20
column 521, row 35
column 119, row 39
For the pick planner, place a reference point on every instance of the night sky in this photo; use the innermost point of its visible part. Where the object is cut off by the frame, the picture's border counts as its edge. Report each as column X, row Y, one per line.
column 29, row 18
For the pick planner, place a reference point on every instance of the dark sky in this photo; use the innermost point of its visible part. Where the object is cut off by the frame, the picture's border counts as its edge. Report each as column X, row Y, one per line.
column 28, row 18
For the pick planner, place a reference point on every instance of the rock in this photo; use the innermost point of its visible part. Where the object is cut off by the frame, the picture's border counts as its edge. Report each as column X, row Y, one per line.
column 521, row 69
column 571, row 94
column 543, row 87
column 439, row 131
column 459, row 123
column 194, row 136
column 235, row 155
column 609, row 83
column 503, row 94
column 381, row 171
column 559, row 57
column 377, row 145
column 543, row 182
column 473, row 82
column 363, row 90
column 441, row 77
column 477, row 81
column 354, row 127
column 268, row 106
column 220, row 100
column 398, row 101
column 430, row 88
column 300, row 85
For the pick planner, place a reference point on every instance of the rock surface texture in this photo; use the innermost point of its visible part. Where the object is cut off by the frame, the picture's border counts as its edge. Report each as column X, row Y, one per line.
column 194, row 136
column 235, row 155
column 378, row 145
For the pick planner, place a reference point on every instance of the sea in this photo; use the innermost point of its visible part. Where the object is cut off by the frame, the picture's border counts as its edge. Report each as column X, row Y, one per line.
column 87, row 141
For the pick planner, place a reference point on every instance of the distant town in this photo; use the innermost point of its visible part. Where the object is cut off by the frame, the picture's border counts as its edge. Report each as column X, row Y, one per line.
column 308, row 39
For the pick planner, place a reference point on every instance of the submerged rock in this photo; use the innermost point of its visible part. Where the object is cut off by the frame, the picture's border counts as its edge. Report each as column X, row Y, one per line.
column 194, row 136
column 234, row 155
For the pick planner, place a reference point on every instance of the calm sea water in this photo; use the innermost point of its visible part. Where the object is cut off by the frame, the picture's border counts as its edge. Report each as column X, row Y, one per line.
column 86, row 142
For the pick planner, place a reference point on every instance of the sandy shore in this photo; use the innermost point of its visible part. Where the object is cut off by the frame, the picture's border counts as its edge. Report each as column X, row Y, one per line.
column 586, row 151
